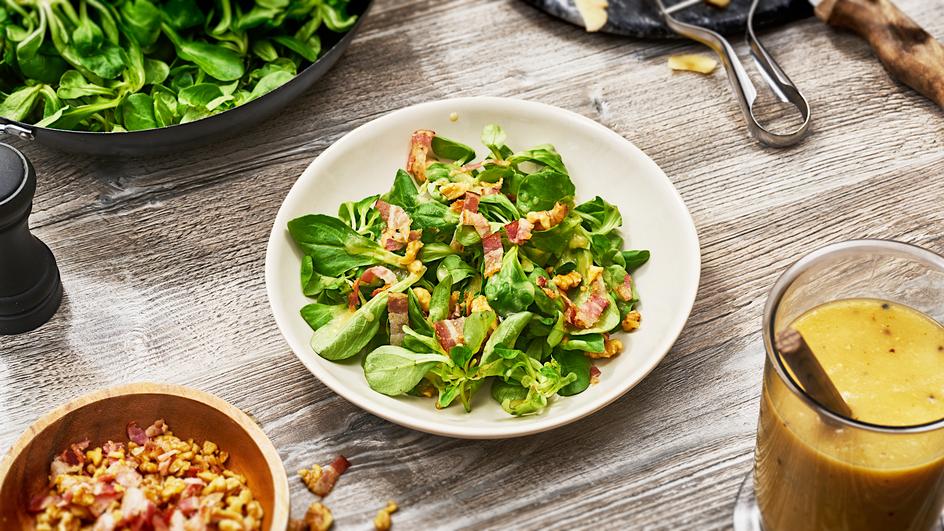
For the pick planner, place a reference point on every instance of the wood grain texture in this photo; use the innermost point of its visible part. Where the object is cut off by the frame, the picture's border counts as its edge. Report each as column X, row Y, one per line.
column 162, row 262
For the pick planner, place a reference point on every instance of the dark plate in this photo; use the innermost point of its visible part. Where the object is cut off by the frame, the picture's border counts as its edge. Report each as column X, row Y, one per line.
column 640, row 18
column 212, row 128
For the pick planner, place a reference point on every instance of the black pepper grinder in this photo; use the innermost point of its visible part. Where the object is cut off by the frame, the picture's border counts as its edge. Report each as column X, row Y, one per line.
column 30, row 289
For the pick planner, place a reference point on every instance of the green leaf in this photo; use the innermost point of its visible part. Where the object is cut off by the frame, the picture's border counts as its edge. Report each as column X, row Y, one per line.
column 506, row 334
column 308, row 49
column 493, row 136
column 270, row 83
column 509, row 291
column 318, row 315
column 439, row 302
column 217, row 61
column 18, row 105
column 141, row 20
column 585, row 343
column 476, row 328
column 545, row 155
column 155, row 71
column 183, row 14
column 417, row 320
column 634, row 259
column 403, row 193
column 598, row 216
column 543, row 189
column 322, row 287
column 510, row 392
column 334, row 247
column 445, row 148
column 335, row 18
column 348, row 332
column 205, row 96
column 573, row 362
column 361, row 215
column 498, row 208
column 137, row 112
column 395, row 370
column 437, row 221
column 454, row 266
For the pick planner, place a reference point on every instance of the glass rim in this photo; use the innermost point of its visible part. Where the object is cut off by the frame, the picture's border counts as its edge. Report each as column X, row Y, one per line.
column 787, row 278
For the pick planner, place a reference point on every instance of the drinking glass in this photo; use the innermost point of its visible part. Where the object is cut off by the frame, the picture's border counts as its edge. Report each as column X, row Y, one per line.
column 814, row 468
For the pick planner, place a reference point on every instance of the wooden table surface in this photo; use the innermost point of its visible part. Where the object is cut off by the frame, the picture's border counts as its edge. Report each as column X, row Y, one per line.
column 162, row 262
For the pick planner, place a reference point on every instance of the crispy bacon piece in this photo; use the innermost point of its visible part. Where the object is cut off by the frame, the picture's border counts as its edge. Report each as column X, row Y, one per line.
column 449, row 332
column 75, row 453
column 397, row 231
column 471, row 202
column 587, row 314
column 470, row 215
column 420, row 145
column 546, row 219
column 372, row 274
column 594, row 374
column 542, row 281
column 330, row 475
column 397, row 315
column 519, row 231
column 136, row 434
column 492, row 246
column 158, row 428
column 625, row 289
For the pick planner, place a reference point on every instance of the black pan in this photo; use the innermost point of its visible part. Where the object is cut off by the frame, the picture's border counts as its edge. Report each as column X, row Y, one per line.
column 188, row 135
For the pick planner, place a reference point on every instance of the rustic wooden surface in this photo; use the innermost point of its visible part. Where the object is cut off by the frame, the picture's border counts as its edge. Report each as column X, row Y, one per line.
column 162, row 262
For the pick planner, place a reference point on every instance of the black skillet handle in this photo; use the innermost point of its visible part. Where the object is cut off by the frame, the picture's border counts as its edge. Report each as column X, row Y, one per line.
column 15, row 129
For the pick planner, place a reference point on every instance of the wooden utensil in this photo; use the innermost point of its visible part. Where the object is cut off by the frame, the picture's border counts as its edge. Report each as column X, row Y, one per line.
column 806, row 368
column 909, row 53
column 104, row 415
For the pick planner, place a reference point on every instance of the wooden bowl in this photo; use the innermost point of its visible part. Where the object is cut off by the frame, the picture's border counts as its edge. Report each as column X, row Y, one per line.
column 105, row 414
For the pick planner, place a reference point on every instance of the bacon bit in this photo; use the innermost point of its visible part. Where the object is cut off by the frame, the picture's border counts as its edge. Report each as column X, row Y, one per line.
column 372, row 274
column 330, row 475
column 397, row 232
column 471, row 202
column 594, row 375
column 398, row 316
column 519, row 231
column 472, row 166
column 124, row 475
column 420, row 145
column 625, row 289
column 353, row 298
column 449, row 332
column 189, row 505
column 588, row 313
column 546, row 219
column 158, row 428
column 136, row 434
column 541, row 281
column 492, row 246
column 75, row 453
column 39, row 503
column 135, row 504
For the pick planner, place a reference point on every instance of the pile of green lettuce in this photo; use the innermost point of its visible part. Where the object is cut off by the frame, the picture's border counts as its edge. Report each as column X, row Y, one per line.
column 125, row 65
column 470, row 273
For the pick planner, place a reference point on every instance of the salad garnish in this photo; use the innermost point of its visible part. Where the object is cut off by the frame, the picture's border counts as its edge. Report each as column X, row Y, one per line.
column 471, row 273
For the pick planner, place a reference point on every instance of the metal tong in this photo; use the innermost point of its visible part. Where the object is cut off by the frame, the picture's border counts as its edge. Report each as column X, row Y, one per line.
column 741, row 83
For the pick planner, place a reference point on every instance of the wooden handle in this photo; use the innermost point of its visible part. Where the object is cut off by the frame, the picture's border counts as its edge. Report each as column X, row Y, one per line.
column 802, row 361
column 908, row 52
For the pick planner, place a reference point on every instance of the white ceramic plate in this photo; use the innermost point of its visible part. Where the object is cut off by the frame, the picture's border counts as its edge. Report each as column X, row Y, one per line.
column 600, row 162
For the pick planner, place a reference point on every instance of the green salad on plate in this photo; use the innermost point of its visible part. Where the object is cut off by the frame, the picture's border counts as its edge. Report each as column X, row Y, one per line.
column 468, row 274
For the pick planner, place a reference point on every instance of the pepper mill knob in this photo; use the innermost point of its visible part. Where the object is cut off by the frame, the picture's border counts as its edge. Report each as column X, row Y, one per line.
column 30, row 288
